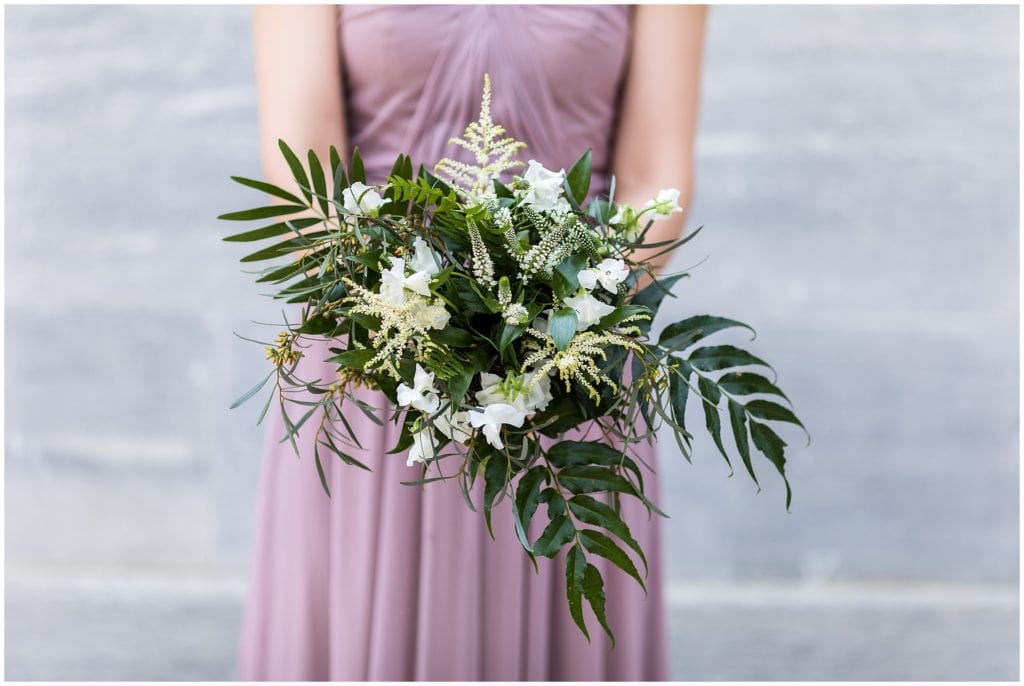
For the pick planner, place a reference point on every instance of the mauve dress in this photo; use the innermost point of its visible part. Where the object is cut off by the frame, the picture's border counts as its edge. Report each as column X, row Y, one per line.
column 389, row 582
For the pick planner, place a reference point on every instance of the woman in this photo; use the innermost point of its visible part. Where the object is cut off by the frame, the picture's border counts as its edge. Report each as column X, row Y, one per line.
column 389, row 582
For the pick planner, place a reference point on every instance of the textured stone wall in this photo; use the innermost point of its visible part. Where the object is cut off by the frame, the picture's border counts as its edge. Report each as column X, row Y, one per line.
column 857, row 179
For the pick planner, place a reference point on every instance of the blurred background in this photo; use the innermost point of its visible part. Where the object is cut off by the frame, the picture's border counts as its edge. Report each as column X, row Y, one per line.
column 858, row 179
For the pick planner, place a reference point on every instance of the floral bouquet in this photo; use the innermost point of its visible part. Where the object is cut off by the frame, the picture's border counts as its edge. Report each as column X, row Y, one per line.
column 496, row 318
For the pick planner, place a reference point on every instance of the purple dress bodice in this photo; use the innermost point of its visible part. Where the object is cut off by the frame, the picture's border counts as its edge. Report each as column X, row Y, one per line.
column 556, row 73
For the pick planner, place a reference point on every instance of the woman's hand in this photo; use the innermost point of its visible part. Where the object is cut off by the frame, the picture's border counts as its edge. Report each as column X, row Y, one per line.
column 658, row 116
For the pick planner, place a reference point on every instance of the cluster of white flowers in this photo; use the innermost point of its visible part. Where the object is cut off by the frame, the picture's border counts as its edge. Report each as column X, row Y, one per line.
column 403, row 303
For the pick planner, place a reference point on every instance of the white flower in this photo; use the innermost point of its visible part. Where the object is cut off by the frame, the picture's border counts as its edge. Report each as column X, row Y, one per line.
column 513, row 391
column 362, row 199
column 589, row 310
column 424, row 258
column 610, row 272
column 545, row 189
column 429, row 315
column 422, row 395
column 541, row 322
column 666, row 203
column 454, row 425
column 422, row 448
column 492, row 417
column 394, row 282
column 623, row 214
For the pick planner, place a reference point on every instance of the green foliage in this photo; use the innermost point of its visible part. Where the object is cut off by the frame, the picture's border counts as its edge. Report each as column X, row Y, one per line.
column 459, row 324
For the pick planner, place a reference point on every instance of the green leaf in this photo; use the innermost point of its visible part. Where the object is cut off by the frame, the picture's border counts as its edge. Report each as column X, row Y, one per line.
column 495, row 480
column 297, row 171
column 599, row 544
column 653, row 294
column 581, row 453
column 593, row 591
column 453, row 336
column 738, row 420
column 679, row 391
column 716, row 357
column 262, row 212
column 696, row 328
column 316, row 171
column 320, row 470
column 358, row 172
column 252, row 391
column 508, row 334
column 527, row 499
column 562, row 326
column 747, row 383
column 774, row 448
column 575, row 568
column 620, row 313
column 290, row 226
column 268, row 188
column 558, row 532
column 592, row 511
column 578, row 177
column 712, row 420
column 589, row 479
column 353, row 359
column 766, row 409
column 566, row 275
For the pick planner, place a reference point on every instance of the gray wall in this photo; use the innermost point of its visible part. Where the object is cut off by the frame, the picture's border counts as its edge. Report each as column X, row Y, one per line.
column 857, row 177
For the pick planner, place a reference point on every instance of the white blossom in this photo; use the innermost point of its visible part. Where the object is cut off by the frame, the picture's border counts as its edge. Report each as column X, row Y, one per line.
column 665, row 204
column 610, row 273
column 424, row 258
column 454, row 425
column 492, row 417
column 544, row 193
column 393, row 282
column 421, row 395
column 518, row 390
column 422, row 448
column 362, row 199
column 589, row 310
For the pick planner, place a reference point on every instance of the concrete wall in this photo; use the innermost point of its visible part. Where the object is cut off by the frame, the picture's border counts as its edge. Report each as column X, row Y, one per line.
column 857, row 177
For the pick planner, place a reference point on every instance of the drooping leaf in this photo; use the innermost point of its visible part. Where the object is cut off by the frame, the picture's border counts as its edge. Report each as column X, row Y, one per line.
column 290, row 226
column 592, row 511
column 558, row 532
column 696, row 328
column 588, row 479
column 774, row 448
column 738, row 421
column 252, row 391
column 747, row 383
column 599, row 544
column 766, row 409
column 575, row 568
column 593, row 591
column 717, row 357
column 712, row 420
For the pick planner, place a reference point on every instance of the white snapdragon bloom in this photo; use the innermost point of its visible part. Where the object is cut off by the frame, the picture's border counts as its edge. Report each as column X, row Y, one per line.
column 491, row 418
column 516, row 391
column 545, row 189
column 421, row 395
column 454, row 425
column 610, row 273
column 424, row 258
column 589, row 310
column 362, row 199
column 394, row 282
column 422, row 448
column 665, row 204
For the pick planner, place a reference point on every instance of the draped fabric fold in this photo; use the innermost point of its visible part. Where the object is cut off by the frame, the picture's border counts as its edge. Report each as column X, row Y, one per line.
column 389, row 582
